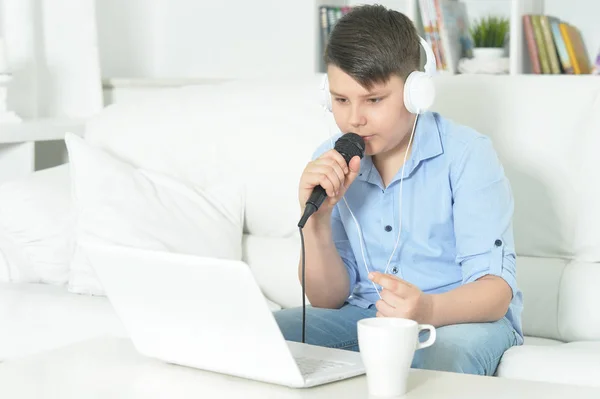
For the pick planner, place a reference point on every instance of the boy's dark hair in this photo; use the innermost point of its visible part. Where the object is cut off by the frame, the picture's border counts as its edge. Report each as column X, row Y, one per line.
column 372, row 43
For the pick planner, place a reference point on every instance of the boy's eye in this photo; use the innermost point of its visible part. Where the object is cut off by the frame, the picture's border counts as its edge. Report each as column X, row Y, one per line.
column 374, row 100
column 340, row 100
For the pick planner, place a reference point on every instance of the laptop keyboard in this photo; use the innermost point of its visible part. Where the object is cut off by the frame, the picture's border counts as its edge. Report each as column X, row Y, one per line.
column 309, row 365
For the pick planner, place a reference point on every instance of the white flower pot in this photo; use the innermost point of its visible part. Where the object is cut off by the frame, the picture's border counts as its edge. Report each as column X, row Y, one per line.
column 488, row 53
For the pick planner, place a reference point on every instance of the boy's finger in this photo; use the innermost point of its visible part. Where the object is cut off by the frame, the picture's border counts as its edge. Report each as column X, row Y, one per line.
column 354, row 168
column 391, row 283
column 354, row 164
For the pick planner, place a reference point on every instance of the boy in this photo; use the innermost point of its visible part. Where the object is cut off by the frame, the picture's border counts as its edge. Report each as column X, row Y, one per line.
column 453, row 263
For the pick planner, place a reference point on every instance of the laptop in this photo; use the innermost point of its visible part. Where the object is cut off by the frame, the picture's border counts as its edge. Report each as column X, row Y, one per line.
column 209, row 314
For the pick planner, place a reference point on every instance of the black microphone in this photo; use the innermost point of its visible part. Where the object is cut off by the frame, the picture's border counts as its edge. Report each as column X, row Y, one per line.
column 349, row 146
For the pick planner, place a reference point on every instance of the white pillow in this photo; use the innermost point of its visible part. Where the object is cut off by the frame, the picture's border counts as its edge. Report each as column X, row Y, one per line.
column 36, row 222
column 118, row 203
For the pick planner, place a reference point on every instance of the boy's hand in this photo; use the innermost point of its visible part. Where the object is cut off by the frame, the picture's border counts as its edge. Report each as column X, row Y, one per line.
column 332, row 173
column 402, row 299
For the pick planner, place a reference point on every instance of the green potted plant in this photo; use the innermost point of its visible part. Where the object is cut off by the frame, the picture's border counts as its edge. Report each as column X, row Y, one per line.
column 489, row 37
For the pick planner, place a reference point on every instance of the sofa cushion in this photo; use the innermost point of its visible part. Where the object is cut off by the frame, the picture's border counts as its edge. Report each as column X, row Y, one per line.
column 36, row 222
column 39, row 317
column 545, row 129
column 117, row 203
column 262, row 131
column 561, row 298
column 541, row 341
column 274, row 264
column 571, row 363
column 579, row 300
column 540, row 280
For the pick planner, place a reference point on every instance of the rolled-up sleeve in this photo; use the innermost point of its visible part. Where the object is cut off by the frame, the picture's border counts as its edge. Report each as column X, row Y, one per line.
column 342, row 244
column 483, row 210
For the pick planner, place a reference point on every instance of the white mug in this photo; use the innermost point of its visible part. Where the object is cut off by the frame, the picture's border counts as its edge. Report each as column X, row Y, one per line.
column 387, row 346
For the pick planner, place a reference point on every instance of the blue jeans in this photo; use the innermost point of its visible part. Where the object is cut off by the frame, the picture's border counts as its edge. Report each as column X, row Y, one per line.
column 474, row 348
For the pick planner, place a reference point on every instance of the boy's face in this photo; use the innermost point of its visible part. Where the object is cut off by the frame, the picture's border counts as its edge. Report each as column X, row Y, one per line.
column 378, row 115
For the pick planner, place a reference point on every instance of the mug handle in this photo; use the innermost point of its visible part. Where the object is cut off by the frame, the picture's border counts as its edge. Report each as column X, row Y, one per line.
column 431, row 340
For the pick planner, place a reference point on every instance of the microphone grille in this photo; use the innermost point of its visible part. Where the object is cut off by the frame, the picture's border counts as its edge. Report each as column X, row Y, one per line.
column 350, row 145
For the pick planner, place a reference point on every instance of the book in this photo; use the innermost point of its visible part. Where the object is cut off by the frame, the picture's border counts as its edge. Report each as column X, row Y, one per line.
column 328, row 17
column 540, row 43
column 453, row 25
column 532, row 48
column 576, row 49
column 555, row 46
column 561, row 48
column 432, row 34
column 555, row 67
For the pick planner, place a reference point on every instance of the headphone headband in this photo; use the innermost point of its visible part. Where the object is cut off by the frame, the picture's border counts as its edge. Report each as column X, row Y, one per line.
column 419, row 91
column 430, row 66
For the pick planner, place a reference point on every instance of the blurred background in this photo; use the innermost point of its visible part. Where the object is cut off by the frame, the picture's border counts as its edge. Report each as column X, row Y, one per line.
column 64, row 60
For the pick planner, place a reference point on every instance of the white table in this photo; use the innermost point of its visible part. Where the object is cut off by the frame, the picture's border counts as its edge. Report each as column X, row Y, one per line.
column 111, row 368
column 17, row 143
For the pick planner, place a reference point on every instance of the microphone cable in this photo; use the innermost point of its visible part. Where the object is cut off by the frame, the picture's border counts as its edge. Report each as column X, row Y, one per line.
column 303, row 286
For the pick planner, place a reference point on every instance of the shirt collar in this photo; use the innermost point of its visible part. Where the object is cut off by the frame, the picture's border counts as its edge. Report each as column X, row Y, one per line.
column 427, row 143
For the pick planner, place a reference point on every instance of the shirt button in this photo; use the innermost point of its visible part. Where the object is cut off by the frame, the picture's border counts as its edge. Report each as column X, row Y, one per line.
column 498, row 243
column 388, row 228
column 394, row 270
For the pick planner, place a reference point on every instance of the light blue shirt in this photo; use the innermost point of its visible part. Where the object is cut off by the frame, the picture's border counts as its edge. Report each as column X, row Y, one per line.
column 457, row 212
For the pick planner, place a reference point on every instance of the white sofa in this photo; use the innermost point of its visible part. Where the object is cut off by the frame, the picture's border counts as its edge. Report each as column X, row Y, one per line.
column 545, row 128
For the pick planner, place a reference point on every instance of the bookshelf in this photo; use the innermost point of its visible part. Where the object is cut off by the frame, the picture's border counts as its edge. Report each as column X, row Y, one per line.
column 519, row 57
column 407, row 7
column 318, row 30
column 191, row 39
column 519, row 62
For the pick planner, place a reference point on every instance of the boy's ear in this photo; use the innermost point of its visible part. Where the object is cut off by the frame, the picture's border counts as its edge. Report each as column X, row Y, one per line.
column 419, row 92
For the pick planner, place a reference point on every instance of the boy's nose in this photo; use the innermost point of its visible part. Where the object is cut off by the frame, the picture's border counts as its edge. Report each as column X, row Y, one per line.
column 357, row 118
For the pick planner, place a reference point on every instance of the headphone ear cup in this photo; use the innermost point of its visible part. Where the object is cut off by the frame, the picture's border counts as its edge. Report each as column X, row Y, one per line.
column 326, row 95
column 419, row 92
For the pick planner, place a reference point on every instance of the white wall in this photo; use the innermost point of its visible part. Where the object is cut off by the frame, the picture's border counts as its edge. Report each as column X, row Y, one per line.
column 126, row 35
column 224, row 39
column 52, row 51
column 208, row 39
column 53, row 55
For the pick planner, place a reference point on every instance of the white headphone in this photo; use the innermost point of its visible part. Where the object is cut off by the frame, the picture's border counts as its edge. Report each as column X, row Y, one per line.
column 419, row 90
